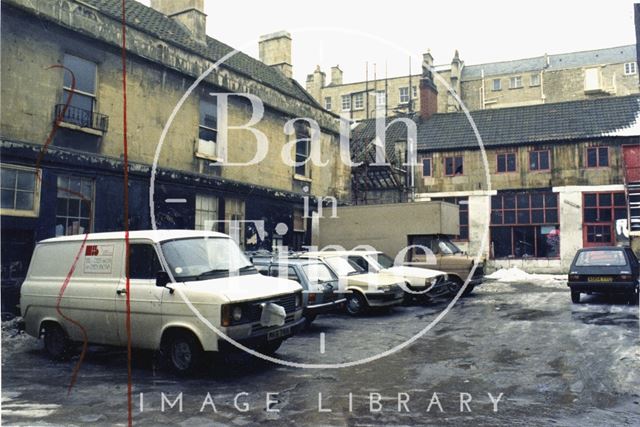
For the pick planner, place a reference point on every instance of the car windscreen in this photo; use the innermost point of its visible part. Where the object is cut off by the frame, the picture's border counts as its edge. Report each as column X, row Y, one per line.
column 203, row 256
column 384, row 260
column 341, row 266
column 318, row 273
column 602, row 258
column 447, row 248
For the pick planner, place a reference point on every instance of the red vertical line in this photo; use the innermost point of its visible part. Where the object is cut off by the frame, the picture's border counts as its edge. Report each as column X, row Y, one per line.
column 126, row 211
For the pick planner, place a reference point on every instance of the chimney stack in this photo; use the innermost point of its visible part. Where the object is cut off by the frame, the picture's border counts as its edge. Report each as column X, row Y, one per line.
column 275, row 51
column 315, row 83
column 428, row 90
column 189, row 13
column 336, row 75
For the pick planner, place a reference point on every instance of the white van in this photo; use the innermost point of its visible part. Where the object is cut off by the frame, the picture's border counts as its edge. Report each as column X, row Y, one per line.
column 165, row 266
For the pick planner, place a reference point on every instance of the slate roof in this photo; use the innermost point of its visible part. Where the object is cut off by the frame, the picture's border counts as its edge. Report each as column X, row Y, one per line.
column 525, row 125
column 156, row 24
column 612, row 55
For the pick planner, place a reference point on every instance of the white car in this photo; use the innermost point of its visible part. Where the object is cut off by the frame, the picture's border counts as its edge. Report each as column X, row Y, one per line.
column 420, row 283
column 177, row 279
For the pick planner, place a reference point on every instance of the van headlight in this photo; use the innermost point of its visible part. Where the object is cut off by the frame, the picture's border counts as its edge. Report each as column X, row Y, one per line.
column 385, row 288
column 298, row 300
column 236, row 313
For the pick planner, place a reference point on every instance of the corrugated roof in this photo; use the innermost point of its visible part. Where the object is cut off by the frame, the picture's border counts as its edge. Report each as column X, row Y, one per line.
column 612, row 55
column 562, row 121
column 166, row 29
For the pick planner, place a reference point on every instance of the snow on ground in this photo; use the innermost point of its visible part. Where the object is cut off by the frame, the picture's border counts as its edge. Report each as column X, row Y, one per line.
column 15, row 341
column 514, row 274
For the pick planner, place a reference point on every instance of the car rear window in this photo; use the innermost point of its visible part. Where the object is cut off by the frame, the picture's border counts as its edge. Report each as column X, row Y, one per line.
column 601, row 259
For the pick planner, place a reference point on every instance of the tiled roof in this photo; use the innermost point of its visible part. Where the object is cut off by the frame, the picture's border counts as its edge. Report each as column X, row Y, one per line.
column 612, row 55
column 543, row 123
column 168, row 30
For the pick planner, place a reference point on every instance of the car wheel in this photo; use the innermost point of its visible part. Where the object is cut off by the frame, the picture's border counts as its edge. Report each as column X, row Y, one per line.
column 308, row 320
column 56, row 343
column 454, row 285
column 634, row 298
column 183, row 353
column 575, row 297
column 469, row 289
column 270, row 348
column 356, row 304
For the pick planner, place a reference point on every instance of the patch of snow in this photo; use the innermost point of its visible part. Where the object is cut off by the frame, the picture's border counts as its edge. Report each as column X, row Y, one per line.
column 632, row 129
column 514, row 274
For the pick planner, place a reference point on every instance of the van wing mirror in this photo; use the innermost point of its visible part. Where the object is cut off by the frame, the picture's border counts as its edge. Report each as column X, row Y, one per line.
column 162, row 279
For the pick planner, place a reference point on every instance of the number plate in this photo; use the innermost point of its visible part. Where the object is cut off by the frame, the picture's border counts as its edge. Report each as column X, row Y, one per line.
column 600, row 279
column 278, row 333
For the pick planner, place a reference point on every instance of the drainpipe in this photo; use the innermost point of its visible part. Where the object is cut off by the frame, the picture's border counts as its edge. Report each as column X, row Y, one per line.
column 482, row 89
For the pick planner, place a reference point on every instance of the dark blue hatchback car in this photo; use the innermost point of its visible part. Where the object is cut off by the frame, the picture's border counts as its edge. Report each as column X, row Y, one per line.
column 606, row 270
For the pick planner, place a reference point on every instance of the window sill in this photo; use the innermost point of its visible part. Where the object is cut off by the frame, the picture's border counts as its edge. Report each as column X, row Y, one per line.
column 302, row 178
column 213, row 159
column 90, row 131
column 19, row 212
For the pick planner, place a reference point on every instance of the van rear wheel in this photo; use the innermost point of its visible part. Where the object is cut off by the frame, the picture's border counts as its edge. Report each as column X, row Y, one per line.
column 56, row 343
column 183, row 353
column 575, row 297
column 356, row 304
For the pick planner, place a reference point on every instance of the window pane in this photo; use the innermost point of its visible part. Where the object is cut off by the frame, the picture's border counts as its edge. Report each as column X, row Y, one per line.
column 604, row 199
column 75, row 187
column 524, row 241
column 426, row 167
column 537, row 216
column 501, row 163
column 8, row 179
column 548, row 242
column 523, row 201
column 511, row 162
column 448, row 165
column 61, row 207
column 82, row 105
column 496, row 202
column 143, row 262
column 603, row 156
column 26, row 180
column 590, row 215
column 459, row 166
column 509, row 217
column 619, row 199
column 509, row 201
column 85, row 209
column 501, row 241
column 551, row 216
column 496, row 217
column 537, row 200
column 74, row 207
column 620, row 213
column 590, row 200
column 209, row 113
column 604, row 215
column 551, row 200
column 592, row 157
column 24, row 200
column 7, row 199
column 544, row 160
column 87, row 190
column 84, row 72
column 533, row 160
column 523, row 217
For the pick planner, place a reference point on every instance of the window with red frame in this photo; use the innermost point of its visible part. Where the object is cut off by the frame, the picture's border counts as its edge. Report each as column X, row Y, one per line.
column 597, row 157
column 525, row 225
column 539, row 160
column 463, row 209
column 599, row 214
column 506, row 162
column 453, row 166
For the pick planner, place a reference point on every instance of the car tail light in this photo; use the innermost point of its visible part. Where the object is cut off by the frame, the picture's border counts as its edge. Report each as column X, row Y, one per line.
column 312, row 297
column 625, row 277
column 573, row 277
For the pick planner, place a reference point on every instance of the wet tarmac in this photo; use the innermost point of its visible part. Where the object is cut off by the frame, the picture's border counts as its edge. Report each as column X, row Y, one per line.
column 509, row 354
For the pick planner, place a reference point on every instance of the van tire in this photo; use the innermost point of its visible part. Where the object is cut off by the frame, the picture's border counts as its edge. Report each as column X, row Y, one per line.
column 356, row 303
column 56, row 342
column 454, row 285
column 182, row 353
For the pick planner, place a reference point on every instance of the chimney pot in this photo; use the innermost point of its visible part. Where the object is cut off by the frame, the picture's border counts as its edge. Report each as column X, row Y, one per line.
column 189, row 13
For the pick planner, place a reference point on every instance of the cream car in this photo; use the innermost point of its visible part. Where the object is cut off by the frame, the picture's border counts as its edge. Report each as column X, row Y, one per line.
column 363, row 289
column 180, row 280
column 419, row 283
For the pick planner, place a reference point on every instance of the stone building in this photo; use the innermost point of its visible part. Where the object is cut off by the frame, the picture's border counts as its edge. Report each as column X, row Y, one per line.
column 552, row 178
column 79, row 186
column 547, row 78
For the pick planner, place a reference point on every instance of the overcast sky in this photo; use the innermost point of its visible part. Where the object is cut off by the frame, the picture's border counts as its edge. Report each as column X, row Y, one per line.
column 351, row 33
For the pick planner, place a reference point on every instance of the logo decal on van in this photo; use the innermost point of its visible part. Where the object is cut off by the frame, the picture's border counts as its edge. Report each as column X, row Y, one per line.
column 98, row 259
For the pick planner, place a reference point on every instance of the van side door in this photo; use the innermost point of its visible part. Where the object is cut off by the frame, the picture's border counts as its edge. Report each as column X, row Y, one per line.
column 145, row 297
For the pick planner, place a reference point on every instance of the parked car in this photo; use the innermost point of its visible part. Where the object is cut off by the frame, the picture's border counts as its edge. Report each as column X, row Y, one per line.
column 364, row 290
column 165, row 267
column 607, row 270
column 448, row 258
column 424, row 282
column 319, row 283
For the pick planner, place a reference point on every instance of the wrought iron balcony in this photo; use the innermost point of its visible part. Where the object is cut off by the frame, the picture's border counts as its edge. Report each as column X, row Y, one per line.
column 83, row 118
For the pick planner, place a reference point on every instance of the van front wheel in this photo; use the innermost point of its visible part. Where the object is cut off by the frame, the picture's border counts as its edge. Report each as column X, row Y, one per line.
column 56, row 342
column 183, row 353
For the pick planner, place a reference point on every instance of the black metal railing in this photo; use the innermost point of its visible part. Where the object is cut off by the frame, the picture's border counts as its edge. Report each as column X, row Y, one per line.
column 83, row 118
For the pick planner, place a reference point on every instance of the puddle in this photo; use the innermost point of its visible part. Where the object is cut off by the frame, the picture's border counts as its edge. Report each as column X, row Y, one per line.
column 606, row 319
column 528, row 314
